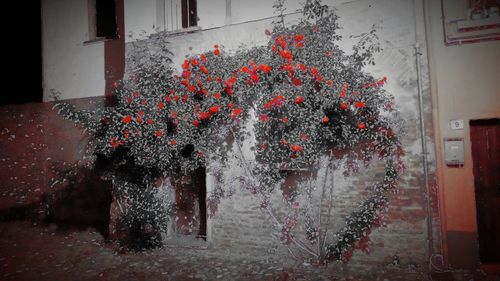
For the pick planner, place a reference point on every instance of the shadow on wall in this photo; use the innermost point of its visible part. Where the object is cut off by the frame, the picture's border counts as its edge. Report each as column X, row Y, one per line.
column 82, row 204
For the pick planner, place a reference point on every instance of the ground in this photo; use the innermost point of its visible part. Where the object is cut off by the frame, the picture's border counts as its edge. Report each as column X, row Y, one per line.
column 43, row 252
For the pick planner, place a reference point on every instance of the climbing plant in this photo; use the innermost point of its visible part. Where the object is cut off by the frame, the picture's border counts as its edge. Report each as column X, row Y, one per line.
column 305, row 99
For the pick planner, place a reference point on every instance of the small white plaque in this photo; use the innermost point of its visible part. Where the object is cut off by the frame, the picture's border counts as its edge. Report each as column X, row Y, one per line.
column 457, row 124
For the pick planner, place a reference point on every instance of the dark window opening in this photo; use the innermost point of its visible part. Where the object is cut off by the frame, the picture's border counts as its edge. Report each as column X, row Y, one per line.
column 189, row 13
column 105, row 18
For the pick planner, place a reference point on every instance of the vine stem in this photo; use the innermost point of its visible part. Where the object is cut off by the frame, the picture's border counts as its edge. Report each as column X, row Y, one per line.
column 262, row 197
column 323, row 187
column 330, row 200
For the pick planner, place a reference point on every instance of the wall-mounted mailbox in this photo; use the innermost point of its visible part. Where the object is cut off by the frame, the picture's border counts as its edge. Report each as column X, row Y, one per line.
column 454, row 152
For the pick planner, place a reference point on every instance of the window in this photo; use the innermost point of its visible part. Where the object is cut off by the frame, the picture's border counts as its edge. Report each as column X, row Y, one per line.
column 102, row 19
column 175, row 15
column 189, row 15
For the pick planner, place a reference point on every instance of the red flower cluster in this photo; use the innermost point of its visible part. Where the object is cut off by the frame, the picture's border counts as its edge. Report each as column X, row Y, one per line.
column 278, row 101
column 299, row 100
column 252, row 71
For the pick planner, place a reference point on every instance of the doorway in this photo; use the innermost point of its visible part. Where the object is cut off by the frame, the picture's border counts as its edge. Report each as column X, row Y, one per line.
column 191, row 207
column 485, row 139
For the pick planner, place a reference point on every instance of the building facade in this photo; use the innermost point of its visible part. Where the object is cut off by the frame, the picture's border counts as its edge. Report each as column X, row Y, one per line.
column 430, row 49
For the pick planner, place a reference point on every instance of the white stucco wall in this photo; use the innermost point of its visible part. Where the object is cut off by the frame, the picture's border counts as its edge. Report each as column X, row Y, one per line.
column 141, row 17
column 69, row 66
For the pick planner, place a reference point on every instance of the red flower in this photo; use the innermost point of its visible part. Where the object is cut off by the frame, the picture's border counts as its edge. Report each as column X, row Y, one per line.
column 185, row 98
column 114, row 143
column 382, row 81
column 140, row 113
column 296, row 148
column 314, row 71
column 359, row 104
column 329, row 82
column 168, row 99
column 344, row 105
column 185, row 82
column 284, row 142
column 161, row 105
column 214, row 109
column 230, row 105
column 217, row 95
column 254, row 77
column 301, row 66
column 186, row 74
column 296, row 82
column 203, row 58
column 264, row 118
column 150, row 121
column 300, row 45
column 196, row 123
column 273, row 48
column 126, row 134
column 278, row 101
column 216, row 52
column 284, row 119
column 173, row 114
column 204, row 69
column 289, row 68
column 129, row 100
column 344, row 90
column 138, row 120
column 281, row 42
column 191, row 88
column 286, row 55
column 230, row 82
column 325, row 119
column 299, row 100
column 235, row 113
column 173, row 142
column 194, row 62
column 265, row 68
column 361, row 125
column 127, row 119
column 185, row 65
column 205, row 115
column 136, row 94
column 298, row 37
column 159, row 133
column 245, row 69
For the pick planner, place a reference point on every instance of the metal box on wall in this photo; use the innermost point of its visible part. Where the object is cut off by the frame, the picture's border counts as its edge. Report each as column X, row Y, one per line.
column 454, row 152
